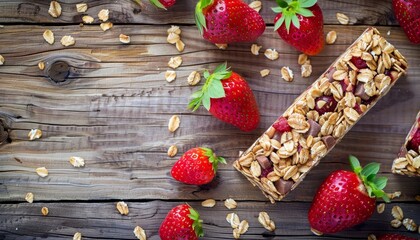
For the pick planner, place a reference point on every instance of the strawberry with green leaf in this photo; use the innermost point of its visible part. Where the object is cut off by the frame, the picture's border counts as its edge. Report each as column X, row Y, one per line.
column 197, row 166
column 300, row 23
column 181, row 223
column 228, row 21
column 346, row 198
column 228, row 97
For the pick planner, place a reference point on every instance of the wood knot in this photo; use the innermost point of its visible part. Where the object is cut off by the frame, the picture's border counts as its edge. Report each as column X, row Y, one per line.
column 4, row 133
column 58, row 72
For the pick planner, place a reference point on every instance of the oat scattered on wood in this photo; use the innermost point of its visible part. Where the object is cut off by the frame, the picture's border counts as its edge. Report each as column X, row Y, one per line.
column 172, row 151
column 233, row 219
column 396, row 223
column 180, row 46
column 34, row 134
column 173, row 38
column 67, row 41
column 265, row 72
column 194, row 78
column 271, row 54
column 87, row 19
column 174, row 29
column 124, row 38
column 139, row 233
column 44, row 211
column 331, row 37
column 41, row 65
column 48, row 36
column 174, row 122
column 287, row 74
column 122, row 208
column 342, row 18
column 393, row 195
column 397, row 213
column 222, row 46
column 302, row 58
column 175, row 62
column 243, row 227
column 266, row 222
column 409, row 224
column 170, row 75
column 106, row 26
column 77, row 161
column 255, row 49
column 381, row 207
column 371, row 237
column 77, row 236
column 55, row 9
column 306, row 69
column 256, row 5
column 103, row 15
column 1, row 60
column 230, row 203
column 42, row 171
column 81, row 7
column 29, row 197
column 209, row 203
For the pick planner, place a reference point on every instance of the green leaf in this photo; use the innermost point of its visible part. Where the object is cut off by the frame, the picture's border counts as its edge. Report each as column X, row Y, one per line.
column 305, row 12
column 277, row 9
column 216, row 89
column 307, row 3
column 158, row 4
column 371, row 168
column 369, row 190
column 355, row 164
column 206, row 101
column 380, row 182
column 386, row 198
column 197, row 222
column 288, row 20
column 206, row 74
column 282, row 3
column 279, row 23
column 295, row 21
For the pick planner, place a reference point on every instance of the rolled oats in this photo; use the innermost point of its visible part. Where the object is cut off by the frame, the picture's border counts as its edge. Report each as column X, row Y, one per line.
column 287, row 74
column 122, row 208
column 371, row 237
column 55, row 9
column 174, row 29
column 34, row 134
column 331, row 37
column 271, row 54
column 81, row 7
column 306, row 69
column 209, row 203
column 77, row 161
column 124, row 38
column 42, row 171
column 170, row 75
column 41, row 65
column 222, row 46
column 255, row 49
column 342, row 18
column 44, row 211
column 265, row 72
column 105, row 26
column 172, row 151
column 173, row 38
column 180, row 45
column 393, row 195
column 67, row 41
column 230, row 203
column 48, row 36
column 29, row 197
column 87, row 19
column 139, row 233
column 396, row 223
column 243, row 227
column 409, row 224
column 266, row 222
column 77, row 236
column 256, row 5
column 381, row 207
column 103, row 15
column 174, row 122
column 175, row 62
column 302, row 58
column 233, row 220
column 397, row 213
column 194, row 78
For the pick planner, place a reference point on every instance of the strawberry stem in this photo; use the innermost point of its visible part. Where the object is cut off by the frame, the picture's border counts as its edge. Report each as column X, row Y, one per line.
column 290, row 9
column 200, row 20
column 156, row 3
column 195, row 216
column 214, row 160
column 374, row 185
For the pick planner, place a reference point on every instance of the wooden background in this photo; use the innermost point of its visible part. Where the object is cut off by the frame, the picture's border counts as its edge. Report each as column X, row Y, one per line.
column 113, row 110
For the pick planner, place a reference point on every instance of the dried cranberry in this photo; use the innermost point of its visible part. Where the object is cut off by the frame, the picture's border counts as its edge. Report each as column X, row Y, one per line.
column 265, row 172
column 358, row 109
column 346, row 86
column 329, row 106
column 281, row 125
column 415, row 141
column 358, row 62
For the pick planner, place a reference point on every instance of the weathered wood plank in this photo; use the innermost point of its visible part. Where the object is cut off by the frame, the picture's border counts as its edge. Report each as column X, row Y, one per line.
column 366, row 12
column 102, row 221
column 114, row 111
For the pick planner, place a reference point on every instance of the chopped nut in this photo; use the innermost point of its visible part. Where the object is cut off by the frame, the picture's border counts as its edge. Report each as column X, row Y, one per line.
column 409, row 224
column 331, row 37
column 81, row 7
column 170, row 75
column 67, row 41
column 342, row 18
column 103, row 15
column 306, row 69
column 381, row 208
column 180, row 45
column 194, row 78
column 34, row 134
column 172, row 38
column 139, row 233
column 124, row 38
column 243, row 227
column 396, row 223
column 302, row 58
column 44, row 211
column 29, row 197
column 122, row 208
column 287, row 74
column 42, row 171
column 87, row 19
column 173, row 124
column 41, row 65
column 233, row 219
column 222, row 46
column 1, row 60
column 175, row 62
column 106, row 26
column 49, row 36
column 256, row 5
column 55, row 9
column 77, row 236
column 271, row 54
column 172, row 151
column 77, row 161
column 174, row 29
column 230, row 203
column 255, row 49
column 397, row 213
column 208, row 203
column 264, row 72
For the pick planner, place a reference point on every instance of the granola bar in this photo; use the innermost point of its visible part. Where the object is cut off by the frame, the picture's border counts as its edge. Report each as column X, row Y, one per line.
column 408, row 160
column 319, row 118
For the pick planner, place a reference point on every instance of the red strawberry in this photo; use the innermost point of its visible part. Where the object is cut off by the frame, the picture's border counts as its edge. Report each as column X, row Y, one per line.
column 407, row 13
column 181, row 223
column 197, row 166
column 229, row 98
column 164, row 4
column 393, row 236
column 346, row 199
column 415, row 141
column 306, row 33
column 228, row 21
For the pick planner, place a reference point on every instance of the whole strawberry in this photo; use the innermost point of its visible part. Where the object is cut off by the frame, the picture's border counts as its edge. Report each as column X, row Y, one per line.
column 407, row 13
column 306, row 33
column 393, row 236
column 181, row 223
column 196, row 166
column 228, row 21
column 229, row 98
column 346, row 198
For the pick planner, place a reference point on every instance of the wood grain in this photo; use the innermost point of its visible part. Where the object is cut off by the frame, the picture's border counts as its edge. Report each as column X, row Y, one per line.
column 114, row 109
column 361, row 12
column 102, row 221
